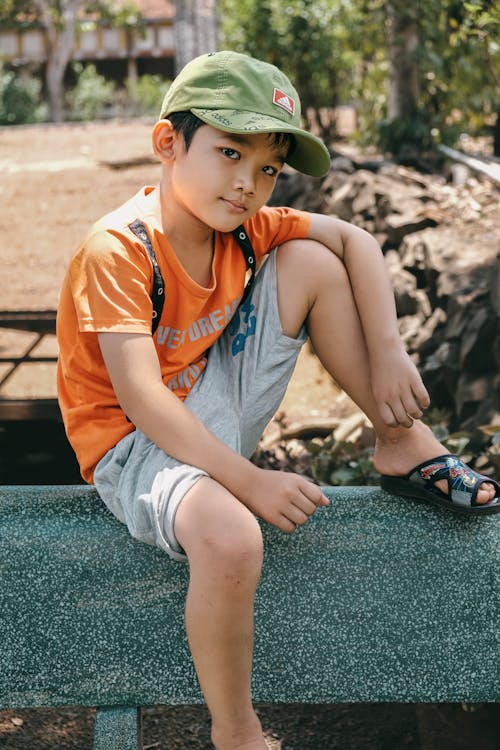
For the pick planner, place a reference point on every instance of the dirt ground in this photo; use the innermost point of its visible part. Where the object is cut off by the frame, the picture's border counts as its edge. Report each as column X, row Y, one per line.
column 55, row 181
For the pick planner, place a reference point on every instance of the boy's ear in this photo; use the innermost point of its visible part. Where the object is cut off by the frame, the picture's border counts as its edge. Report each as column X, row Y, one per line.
column 164, row 138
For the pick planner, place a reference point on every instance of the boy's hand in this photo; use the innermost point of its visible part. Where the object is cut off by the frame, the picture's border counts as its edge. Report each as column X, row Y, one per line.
column 398, row 389
column 283, row 499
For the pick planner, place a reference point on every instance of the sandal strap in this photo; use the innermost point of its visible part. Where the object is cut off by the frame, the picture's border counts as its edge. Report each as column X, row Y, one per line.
column 463, row 482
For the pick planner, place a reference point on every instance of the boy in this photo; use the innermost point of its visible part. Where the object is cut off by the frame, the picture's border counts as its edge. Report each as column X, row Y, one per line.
column 164, row 425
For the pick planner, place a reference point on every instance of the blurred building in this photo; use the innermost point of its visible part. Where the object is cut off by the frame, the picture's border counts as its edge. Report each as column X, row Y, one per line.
column 127, row 51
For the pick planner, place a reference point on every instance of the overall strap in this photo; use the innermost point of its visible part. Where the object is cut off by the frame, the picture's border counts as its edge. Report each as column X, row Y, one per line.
column 158, row 291
column 243, row 241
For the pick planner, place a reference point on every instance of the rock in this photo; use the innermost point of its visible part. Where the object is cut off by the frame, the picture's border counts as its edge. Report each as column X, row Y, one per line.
column 446, row 284
column 409, row 326
column 342, row 164
column 409, row 299
column 399, row 225
column 476, row 350
column 298, row 190
column 495, row 286
column 340, row 202
column 427, row 330
column 457, row 320
column 440, row 374
column 473, row 414
column 458, row 174
column 473, row 392
column 364, row 201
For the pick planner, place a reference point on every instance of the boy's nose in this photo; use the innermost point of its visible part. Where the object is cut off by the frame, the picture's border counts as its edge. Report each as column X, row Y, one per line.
column 245, row 181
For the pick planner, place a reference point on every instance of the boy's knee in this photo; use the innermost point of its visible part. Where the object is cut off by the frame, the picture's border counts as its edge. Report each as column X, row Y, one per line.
column 237, row 556
column 219, row 533
column 310, row 258
column 230, row 562
column 238, row 538
column 305, row 270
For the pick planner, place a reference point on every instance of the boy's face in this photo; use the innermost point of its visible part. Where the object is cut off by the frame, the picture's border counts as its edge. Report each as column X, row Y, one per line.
column 223, row 179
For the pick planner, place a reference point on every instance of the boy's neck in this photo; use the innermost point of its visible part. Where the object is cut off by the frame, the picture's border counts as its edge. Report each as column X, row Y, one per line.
column 178, row 225
column 192, row 242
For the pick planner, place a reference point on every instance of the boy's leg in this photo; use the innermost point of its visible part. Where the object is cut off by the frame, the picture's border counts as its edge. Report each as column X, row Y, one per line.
column 313, row 285
column 191, row 517
column 223, row 543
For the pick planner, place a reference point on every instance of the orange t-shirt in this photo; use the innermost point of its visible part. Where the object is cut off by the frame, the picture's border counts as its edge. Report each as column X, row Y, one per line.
column 107, row 288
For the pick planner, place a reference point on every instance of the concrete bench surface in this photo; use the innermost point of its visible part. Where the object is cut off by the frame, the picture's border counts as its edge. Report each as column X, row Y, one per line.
column 376, row 598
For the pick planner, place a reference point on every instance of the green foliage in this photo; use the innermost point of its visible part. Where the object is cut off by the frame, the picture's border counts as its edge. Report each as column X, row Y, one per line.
column 455, row 442
column 7, row 13
column 307, row 39
column 494, row 450
column 460, row 54
column 14, row 13
column 19, row 13
column 91, row 95
column 19, row 99
column 343, row 463
column 398, row 134
column 459, row 63
column 336, row 51
column 121, row 14
column 146, row 94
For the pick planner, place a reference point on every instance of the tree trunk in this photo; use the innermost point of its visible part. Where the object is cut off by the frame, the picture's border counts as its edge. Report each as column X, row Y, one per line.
column 404, row 79
column 60, row 45
column 496, row 135
column 195, row 30
column 54, row 76
column 205, row 26
column 184, row 33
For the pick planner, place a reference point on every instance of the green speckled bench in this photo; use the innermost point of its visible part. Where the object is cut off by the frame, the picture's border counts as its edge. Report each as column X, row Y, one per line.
column 375, row 599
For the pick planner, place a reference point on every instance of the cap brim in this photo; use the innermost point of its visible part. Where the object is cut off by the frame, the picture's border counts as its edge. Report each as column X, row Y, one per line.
column 309, row 156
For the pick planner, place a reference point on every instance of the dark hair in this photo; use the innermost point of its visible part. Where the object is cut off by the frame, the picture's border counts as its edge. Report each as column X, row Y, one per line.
column 187, row 124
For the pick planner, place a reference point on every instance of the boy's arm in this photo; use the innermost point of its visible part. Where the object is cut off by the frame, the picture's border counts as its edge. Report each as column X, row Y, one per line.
column 397, row 386
column 281, row 498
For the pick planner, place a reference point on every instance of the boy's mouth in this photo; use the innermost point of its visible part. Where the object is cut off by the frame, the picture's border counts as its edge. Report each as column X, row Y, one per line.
column 236, row 206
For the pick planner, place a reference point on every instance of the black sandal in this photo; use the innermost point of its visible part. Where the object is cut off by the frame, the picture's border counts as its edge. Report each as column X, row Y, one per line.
column 463, row 486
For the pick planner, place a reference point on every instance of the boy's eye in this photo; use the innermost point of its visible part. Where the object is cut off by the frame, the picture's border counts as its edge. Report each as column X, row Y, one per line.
column 271, row 171
column 231, row 153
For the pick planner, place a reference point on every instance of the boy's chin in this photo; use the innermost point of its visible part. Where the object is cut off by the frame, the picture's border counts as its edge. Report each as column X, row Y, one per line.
column 226, row 227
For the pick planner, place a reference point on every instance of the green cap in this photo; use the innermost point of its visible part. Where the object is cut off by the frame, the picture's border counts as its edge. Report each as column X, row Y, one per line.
column 239, row 94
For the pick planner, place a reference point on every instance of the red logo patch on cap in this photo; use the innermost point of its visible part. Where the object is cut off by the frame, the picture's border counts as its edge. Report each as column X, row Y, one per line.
column 284, row 101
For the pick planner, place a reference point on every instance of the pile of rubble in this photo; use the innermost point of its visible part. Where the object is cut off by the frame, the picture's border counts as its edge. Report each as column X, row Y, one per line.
column 441, row 242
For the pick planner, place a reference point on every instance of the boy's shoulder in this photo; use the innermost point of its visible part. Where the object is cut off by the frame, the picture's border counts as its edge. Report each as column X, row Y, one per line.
column 277, row 223
column 111, row 237
column 140, row 206
column 273, row 215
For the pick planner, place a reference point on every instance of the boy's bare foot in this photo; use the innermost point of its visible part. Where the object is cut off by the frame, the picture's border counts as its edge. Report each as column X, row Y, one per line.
column 401, row 449
column 244, row 737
